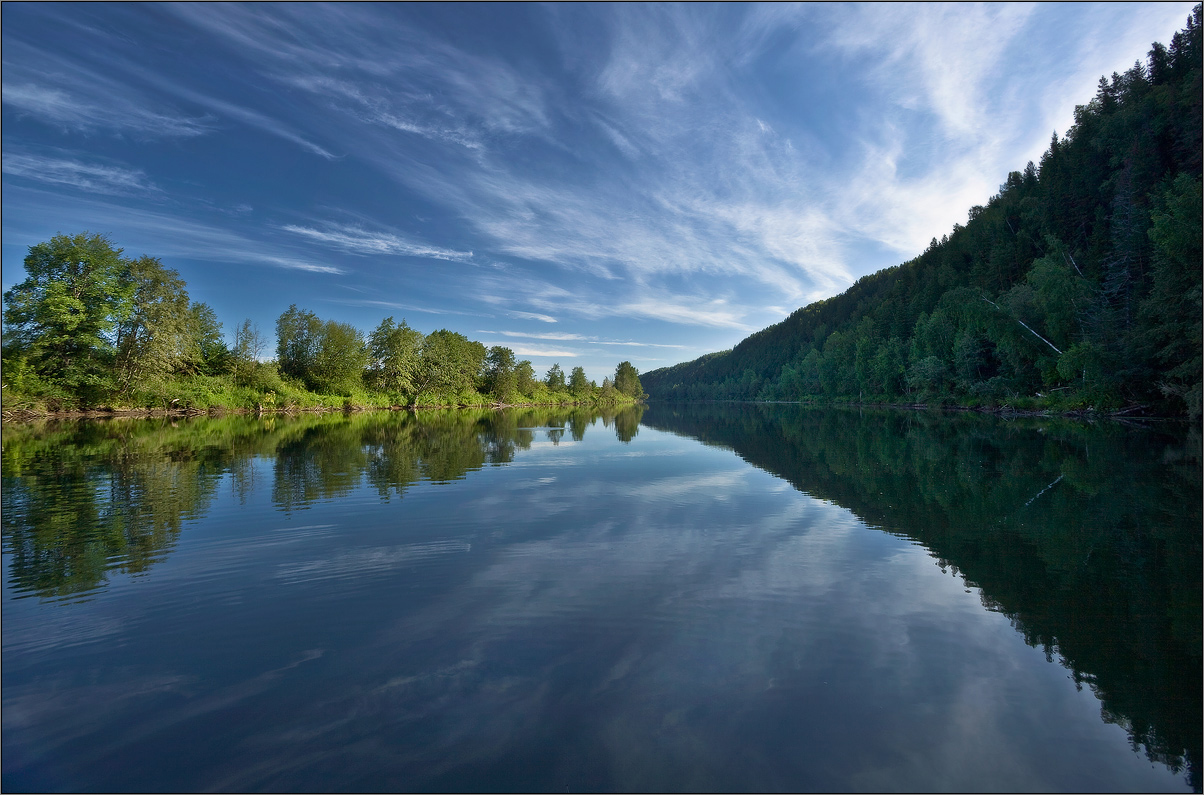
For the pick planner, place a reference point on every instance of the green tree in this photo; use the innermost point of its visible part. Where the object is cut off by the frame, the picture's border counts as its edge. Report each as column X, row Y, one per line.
column 500, row 378
column 327, row 356
column 297, row 332
column 206, row 350
column 524, row 378
column 555, row 378
column 62, row 317
column 449, row 364
column 1173, row 309
column 153, row 338
column 578, row 383
column 340, row 357
column 394, row 357
column 627, row 380
column 249, row 345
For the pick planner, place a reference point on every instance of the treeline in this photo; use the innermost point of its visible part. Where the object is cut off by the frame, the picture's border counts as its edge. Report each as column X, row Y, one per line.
column 91, row 328
column 1077, row 285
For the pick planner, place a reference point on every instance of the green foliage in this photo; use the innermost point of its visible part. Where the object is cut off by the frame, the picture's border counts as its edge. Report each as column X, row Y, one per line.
column 500, row 377
column 61, row 319
column 206, row 350
column 393, row 358
column 157, row 335
column 449, row 365
column 89, row 328
column 627, row 380
column 327, row 356
column 297, row 333
column 524, row 379
column 1092, row 256
column 249, row 345
column 578, row 384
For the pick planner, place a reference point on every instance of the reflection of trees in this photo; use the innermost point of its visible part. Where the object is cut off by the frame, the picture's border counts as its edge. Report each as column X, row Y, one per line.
column 85, row 498
column 1088, row 538
column 627, row 422
column 81, row 501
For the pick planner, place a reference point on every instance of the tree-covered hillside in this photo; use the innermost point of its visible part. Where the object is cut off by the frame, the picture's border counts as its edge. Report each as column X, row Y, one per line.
column 1078, row 284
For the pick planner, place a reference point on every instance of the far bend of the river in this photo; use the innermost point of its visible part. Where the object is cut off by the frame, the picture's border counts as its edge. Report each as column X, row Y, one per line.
column 677, row 597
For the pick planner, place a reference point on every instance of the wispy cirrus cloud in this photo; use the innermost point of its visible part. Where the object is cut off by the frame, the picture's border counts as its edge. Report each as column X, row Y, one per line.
column 159, row 232
column 532, row 316
column 65, row 96
column 428, row 310
column 91, row 177
column 577, row 337
column 523, row 349
column 361, row 241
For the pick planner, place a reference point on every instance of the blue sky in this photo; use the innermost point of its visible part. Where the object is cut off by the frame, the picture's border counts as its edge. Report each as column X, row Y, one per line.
column 581, row 183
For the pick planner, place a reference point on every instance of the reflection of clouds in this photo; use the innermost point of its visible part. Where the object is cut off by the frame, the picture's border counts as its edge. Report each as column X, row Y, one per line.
column 818, row 639
column 33, row 705
column 626, row 634
column 718, row 486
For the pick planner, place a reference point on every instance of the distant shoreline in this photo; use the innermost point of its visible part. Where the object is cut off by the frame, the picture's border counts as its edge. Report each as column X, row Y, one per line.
column 1126, row 413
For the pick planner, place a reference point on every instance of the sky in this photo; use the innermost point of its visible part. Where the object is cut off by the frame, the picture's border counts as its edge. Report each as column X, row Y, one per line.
column 584, row 184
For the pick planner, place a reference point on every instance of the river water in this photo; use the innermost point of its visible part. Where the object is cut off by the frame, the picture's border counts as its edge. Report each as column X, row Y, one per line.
column 678, row 597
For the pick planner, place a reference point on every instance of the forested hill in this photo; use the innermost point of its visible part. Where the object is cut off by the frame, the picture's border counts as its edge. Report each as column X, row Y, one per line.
column 1078, row 284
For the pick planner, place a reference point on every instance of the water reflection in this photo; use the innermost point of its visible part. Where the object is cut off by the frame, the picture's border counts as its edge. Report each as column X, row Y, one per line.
column 85, row 498
column 1086, row 536
column 643, row 613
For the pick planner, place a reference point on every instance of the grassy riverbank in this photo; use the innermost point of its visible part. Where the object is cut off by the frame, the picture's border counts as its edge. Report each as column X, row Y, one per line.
column 269, row 393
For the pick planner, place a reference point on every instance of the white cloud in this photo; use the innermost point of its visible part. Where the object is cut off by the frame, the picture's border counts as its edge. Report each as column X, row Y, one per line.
column 166, row 235
column 361, row 241
column 577, row 337
column 92, row 177
column 532, row 316
column 63, row 95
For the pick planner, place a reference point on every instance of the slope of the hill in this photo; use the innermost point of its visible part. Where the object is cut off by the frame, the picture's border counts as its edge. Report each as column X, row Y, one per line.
column 1078, row 284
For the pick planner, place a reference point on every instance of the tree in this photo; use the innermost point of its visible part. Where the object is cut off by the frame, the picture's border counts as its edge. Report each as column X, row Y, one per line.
column 394, row 353
column 297, row 333
column 153, row 337
column 339, row 359
column 555, row 378
column 524, row 378
column 205, row 350
column 627, row 380
column 249, row 345
column 449, row 364
column 500, row 377
column 327, row 356
column 578, row 383
column 61, row 318
column 1172, row 312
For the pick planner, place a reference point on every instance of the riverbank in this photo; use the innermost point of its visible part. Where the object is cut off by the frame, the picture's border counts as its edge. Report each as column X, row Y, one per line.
column 29, row 415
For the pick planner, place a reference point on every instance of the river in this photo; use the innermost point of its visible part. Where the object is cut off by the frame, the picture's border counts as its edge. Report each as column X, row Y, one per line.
column 673, row 597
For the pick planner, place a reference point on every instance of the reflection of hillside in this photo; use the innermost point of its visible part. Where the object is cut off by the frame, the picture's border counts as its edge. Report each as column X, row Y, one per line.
column 82, row 499
column 1088, row 538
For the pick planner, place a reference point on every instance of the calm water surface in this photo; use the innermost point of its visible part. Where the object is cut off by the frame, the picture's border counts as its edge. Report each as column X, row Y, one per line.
column 673, row 598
